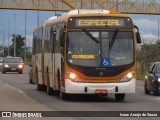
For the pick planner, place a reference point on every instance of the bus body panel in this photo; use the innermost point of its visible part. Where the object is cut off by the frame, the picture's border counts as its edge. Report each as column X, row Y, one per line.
column 39, row 67
column 53, row 62
column 34, row 68
column 45, row 67
column 79, row 88
column 57, row 69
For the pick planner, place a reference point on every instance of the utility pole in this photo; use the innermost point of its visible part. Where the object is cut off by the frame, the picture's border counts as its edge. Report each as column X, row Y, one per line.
column 38, row 14
column 25, row 36
column 117, row 5
column 8, row 37
column 15, row 37
column 158, row 30
column 3, row 38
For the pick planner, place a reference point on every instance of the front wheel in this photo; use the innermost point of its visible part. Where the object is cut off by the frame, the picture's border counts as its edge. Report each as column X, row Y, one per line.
column 119, row 97
column 145, row 89
column 63, row 96
column 155, row 90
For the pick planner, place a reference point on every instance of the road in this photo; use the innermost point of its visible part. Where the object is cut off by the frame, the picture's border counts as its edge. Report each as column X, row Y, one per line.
column 23, row 96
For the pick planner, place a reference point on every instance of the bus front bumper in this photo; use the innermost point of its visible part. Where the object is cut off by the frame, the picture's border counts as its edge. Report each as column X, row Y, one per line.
column 91, row 88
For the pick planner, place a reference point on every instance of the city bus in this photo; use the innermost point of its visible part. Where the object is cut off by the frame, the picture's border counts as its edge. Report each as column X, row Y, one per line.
column 86, row 52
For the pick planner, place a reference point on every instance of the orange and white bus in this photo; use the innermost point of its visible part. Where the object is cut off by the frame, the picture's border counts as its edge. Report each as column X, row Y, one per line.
column 86, row 52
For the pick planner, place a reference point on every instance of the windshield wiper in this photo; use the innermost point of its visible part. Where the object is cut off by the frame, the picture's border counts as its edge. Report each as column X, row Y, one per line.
column 113, row 38
column 90, row 35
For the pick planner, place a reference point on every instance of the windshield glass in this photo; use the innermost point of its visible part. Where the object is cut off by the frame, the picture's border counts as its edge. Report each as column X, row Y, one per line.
column 12, row 60
column 83, row 50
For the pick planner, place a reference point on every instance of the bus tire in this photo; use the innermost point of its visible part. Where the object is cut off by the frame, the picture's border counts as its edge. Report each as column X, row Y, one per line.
column 49, row 90
column 120, row 97
column 39, row 86
column 63, row 96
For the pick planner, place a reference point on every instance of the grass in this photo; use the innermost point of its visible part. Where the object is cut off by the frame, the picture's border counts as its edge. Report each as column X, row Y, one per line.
column 139, row 73
column 28, row 62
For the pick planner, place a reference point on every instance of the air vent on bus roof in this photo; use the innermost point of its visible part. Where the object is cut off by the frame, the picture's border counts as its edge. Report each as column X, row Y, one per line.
column 51, row 18
column 83, row 11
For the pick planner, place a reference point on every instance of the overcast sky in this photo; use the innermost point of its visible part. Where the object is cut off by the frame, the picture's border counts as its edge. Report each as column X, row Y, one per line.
column 148, row 24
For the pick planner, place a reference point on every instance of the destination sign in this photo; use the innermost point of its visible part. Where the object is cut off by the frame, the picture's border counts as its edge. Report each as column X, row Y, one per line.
column 99, row 22
column 83, row 56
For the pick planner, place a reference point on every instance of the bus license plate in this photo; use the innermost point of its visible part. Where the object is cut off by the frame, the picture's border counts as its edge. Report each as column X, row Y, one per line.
column 100, row 91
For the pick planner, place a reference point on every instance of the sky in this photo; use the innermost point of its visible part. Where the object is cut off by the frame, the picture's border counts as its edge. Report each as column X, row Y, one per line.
column 148, row 24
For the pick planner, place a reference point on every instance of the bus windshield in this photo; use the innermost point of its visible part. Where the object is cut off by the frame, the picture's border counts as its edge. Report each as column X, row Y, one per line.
column 83, row 50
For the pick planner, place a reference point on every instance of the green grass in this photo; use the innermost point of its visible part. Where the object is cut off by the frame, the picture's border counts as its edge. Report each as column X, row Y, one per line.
column 28, row 62
column 139, row 73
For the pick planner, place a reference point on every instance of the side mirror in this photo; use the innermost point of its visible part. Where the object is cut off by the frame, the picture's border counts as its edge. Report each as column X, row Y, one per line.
column 138, row 37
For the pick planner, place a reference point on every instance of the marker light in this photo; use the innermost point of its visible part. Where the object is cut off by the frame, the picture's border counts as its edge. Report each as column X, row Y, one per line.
column 6, row 65
column 20, row 66
column 128, row 77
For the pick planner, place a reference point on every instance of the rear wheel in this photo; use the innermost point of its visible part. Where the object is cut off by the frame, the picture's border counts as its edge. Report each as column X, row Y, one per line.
column 145, row 89
column 120, row 97
column 3, row 72
column 39, row 86
column 49, row 89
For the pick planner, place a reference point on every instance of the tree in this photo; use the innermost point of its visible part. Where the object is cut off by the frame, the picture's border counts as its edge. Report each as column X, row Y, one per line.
column 19, row 46
column 149, row 53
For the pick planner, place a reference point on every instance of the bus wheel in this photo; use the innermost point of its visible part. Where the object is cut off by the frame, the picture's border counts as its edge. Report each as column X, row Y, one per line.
column 40, row 87
column 119, row 97
column 63, row 96
column 49, row 89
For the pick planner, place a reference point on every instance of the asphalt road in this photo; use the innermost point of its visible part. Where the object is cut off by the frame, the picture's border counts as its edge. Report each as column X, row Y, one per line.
column 28, row 98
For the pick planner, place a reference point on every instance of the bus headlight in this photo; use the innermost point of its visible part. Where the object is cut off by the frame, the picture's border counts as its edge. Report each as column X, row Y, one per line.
column 73, row 77
column 128, row 77
column 158, row 79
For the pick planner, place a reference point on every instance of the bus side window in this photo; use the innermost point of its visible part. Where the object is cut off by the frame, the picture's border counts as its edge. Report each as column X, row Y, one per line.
column 57, row 41
column 52, row 39
column 34, row 42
